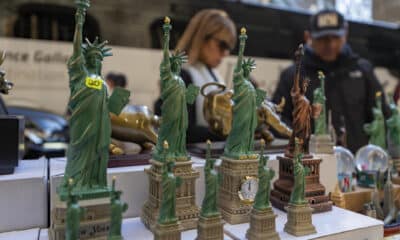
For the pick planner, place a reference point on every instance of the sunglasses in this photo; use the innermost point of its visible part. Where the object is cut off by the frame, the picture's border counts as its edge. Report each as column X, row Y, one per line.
column 222, row 44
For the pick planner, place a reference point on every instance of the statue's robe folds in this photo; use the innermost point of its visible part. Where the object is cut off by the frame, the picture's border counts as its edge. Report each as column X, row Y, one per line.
column 209, row 205
column 90, row 129
column 301, row 122
column 298, row 195
column 261, row 201
column 168, row 199
column 174, row 122
column 241, row 138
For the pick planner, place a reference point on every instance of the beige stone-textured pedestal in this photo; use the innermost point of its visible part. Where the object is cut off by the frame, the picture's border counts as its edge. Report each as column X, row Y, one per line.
column 167, row 231
column 94, row 225
column 210, row 228
column 233, row 171
column 187, row 211
column 262, row 225
column 299, row 220
column 321, row 144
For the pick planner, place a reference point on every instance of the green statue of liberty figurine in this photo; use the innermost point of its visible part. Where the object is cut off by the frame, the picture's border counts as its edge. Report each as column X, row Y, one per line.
column 90, row 106
column 393, row 125
column 117, row 209
column 298, row 193
column 265, row 175
column 169, row 184
column 240, row 142
column 319, row 98
column 376, row 129
column 175, row 97
column 73, row 215
column 212, row 180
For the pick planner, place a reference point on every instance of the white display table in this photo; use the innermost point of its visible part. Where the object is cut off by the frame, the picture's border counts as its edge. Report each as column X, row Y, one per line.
column 134, row 182
column 23, row 197
column 30, row 234
column 338, row 224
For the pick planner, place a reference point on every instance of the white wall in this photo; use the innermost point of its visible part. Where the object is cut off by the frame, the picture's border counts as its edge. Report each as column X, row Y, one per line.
column 39, row 72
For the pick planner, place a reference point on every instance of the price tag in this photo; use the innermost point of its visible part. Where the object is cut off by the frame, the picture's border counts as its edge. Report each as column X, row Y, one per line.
column 95, row 83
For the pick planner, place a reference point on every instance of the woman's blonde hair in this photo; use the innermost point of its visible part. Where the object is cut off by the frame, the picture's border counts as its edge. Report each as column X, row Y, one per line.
column 205, row 24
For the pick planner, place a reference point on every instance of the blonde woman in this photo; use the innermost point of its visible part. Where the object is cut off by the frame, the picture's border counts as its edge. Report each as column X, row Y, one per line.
column 208, row 38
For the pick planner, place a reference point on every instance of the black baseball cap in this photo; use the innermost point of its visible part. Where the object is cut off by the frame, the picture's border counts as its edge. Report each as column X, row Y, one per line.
column 327, row 22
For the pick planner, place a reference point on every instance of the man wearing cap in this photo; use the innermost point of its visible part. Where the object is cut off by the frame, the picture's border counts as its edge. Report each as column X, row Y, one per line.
column 350, row 83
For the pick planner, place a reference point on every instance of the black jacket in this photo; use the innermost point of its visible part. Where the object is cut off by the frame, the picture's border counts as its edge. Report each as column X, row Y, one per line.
column 350, row 87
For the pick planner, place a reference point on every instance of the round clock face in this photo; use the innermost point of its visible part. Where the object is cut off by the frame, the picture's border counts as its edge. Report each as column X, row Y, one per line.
column 248, row 189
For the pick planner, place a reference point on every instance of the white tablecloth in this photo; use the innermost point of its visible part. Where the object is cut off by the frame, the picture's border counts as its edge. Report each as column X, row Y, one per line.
column 23, row 196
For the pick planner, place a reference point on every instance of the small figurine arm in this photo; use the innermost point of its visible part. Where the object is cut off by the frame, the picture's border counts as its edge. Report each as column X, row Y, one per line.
column 220, row 178
column 191, row 93
column 307, row 171
column 124, row 207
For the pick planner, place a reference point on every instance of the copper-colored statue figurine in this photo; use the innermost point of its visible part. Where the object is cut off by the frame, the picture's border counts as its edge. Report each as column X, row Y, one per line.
column 302, row 109
column 5, row 85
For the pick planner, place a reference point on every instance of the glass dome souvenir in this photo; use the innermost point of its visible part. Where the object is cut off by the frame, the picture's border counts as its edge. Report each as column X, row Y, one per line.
column 345, row 168
column 371, row 160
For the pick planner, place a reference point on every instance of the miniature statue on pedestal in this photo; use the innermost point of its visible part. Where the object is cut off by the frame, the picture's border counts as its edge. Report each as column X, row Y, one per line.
column 262, row 218
column 299, row 215
column 5, row 85
column 299, row 171
column 90, row 134
column 291, row 186
column 210, row 225
column 90, row 126
column 239, row 162
column 265, row 175
column 240, row 142
column 212, row 180
column 175, row 97
column 168, row 225
column 321, row 141
column 74, row 214
column 117, row 209
column 376, row 129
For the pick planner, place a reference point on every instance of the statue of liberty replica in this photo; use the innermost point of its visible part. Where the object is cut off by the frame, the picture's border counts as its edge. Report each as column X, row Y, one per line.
column 376, row 129
column 262, row 218
column 321, row 141
column 299, row 213
column 168, row 226
column 90, row 128
column 210, row 225
column 175, row 96
column 239, row 161
column 303, row 112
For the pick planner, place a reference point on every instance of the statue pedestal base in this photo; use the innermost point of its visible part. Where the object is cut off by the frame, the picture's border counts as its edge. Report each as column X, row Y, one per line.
column 94, row 225
column 299, row 220
column 321, row 144
column 262, row 225
column 210, row 228
column 314, row 190
column 186, row 210
column 234, row 171
column 167, row 231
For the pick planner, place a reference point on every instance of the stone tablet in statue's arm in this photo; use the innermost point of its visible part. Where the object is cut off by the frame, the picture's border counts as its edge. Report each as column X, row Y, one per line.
column 261, row 95
column 191, row 93
column 178, row 181
column 118, row 100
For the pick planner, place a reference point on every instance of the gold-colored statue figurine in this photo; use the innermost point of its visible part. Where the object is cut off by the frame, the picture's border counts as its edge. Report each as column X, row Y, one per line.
column 217, row 110
column 136, row 124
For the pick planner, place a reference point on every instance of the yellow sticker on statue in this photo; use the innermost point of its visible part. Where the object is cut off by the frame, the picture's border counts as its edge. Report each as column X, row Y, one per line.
column 94, row 82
